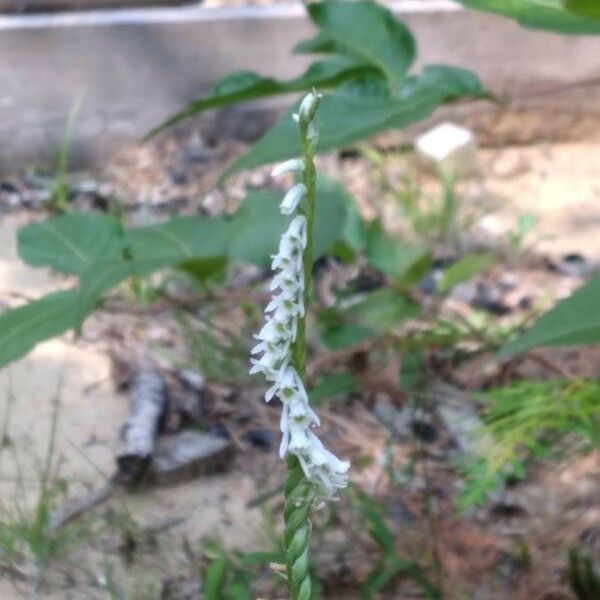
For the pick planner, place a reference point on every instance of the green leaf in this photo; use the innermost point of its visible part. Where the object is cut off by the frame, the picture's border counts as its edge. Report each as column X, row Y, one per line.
column 395, row 258
column 23, row 327
column 345, row 118
column 378, row 529
column 382, row 310
column 155, row 247
column 258, row 224
column 319, row 44
column 369, row 32
column 329, row 386
column 244, row 86
column 203, row 269
column 336, row 218
column 552, row 15
column 412, row 370
column 180, row 238
column 573, row 321
column 214, row 579
column 70, row 243
column 373, row 315
column 441, row 83
column 585, row 8
column 463, row 270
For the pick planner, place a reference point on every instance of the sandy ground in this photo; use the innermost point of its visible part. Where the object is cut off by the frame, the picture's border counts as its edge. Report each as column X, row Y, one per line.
column 72, row 380
column 558, row 183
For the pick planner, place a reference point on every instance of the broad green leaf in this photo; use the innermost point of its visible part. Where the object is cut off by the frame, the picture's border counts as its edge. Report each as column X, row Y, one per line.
column 573, row 321
column 375, row 314
column 441, row 83
column 336, row 218
column 552, row 15
column 344, row 335
column 369, row 32
column 463, row 270
column 23, row 327
column 155, row 247
column 244, row 86
column 585, row 8
column 346, row 118
column 70, row 243
column 395, row 258
column 382, row 310
column 105, row 275
column 319, row 44
column 203, row 269
column 180, row 238
column 258, row 224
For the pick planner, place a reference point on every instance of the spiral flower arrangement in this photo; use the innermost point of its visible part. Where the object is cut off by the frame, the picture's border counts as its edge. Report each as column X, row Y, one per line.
column 315, row 473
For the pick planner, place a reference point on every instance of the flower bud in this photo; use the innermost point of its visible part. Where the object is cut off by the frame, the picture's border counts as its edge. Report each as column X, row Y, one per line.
column 308, row 107
column 289, row 166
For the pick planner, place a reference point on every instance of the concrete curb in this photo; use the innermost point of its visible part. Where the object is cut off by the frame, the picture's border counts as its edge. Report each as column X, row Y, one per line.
column 135, row 67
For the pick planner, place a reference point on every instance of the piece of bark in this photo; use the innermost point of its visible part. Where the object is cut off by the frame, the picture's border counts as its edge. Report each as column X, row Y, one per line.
column 187, row 455
column 148, row 404
column 75, row 508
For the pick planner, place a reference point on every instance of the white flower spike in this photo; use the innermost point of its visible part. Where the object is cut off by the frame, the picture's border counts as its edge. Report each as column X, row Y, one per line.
column 279, row 332
column 292, row 198
column 289, row 166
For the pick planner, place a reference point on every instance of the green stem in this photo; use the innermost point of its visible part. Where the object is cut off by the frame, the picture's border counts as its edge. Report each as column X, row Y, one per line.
column 299, row 492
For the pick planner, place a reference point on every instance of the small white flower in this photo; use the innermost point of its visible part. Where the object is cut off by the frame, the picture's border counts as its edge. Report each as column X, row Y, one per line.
column 276, row 337
column 289, row 166
column 308, row 107
column 291, row 284
column 292, row 198
column 297, row 230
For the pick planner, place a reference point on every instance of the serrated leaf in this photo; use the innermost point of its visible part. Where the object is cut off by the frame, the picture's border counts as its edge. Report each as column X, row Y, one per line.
column 244, row 86
column 70, row 243
column 573, row 321
column 369, row 32
column 344, row 118
column 551, row 15
column 22, row 328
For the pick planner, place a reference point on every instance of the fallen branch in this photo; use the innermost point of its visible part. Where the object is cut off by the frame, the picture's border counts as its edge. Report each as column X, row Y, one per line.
column 148, row 404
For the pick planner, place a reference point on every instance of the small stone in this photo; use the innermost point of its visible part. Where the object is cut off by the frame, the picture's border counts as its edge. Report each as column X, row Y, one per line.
column 192, row 379
column 261, row 438
column 448, row 147
column 423, row 430
column 197, row 152
column 573, row 265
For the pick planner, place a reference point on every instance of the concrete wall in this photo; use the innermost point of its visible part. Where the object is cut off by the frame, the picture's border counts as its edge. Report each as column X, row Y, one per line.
column 136, row 67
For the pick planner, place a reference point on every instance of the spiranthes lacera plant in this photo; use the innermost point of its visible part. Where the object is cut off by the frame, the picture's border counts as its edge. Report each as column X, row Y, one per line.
column 314, row 473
